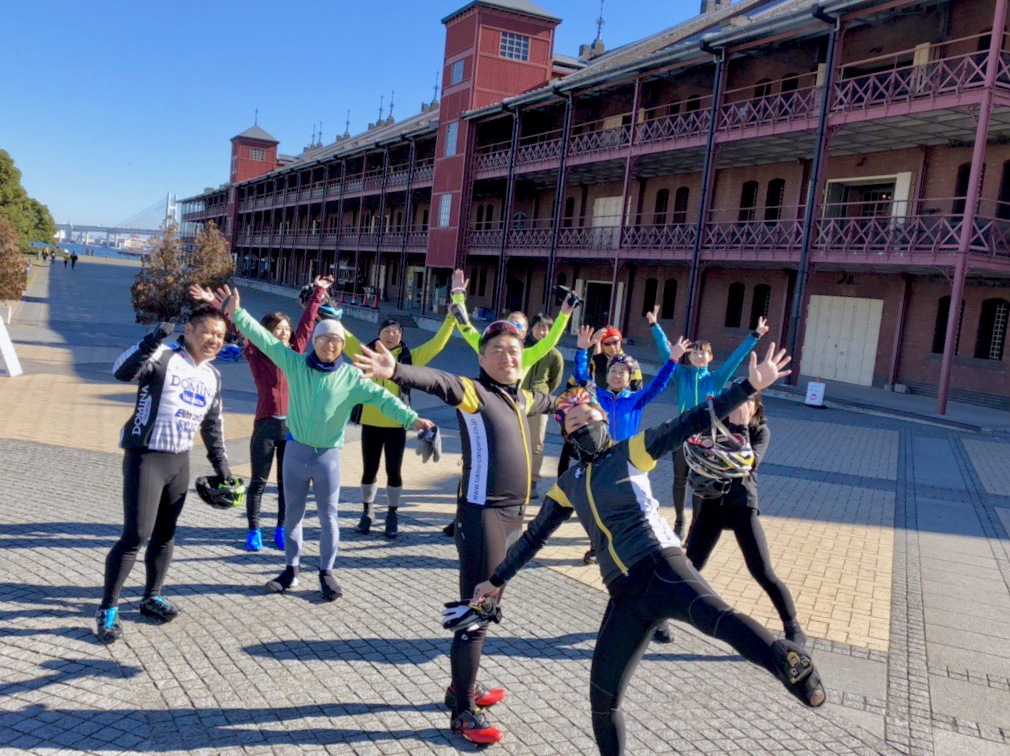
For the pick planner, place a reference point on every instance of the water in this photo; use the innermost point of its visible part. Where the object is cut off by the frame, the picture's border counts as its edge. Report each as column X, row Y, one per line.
column 98, row 251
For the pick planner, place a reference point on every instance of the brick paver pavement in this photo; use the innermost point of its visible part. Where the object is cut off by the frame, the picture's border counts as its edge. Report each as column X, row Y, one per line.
column 880, row 545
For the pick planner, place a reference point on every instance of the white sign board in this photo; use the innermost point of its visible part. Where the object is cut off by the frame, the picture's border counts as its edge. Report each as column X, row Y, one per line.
column 815, row 394
column 7, row 356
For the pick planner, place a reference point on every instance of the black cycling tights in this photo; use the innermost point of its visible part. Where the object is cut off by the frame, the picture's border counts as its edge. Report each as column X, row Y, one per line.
column 483, row 536
column 154, row 490
column 663, row 586
column 269, row 437
column 707, row 526
column 375, row 440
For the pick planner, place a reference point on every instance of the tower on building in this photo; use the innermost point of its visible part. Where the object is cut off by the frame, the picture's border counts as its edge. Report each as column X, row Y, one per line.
column 253, row 153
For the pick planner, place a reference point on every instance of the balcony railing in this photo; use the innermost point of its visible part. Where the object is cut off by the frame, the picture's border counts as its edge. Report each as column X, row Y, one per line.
column 671, row 236
column 417, row 239
column 599, row 136
column 492, row 157
column 484, row 238
column 660, row 125
column 530, row 235
column 799, row 101
column 538, row 148
column 590, row 238
column 772, row 234
column 424, row 171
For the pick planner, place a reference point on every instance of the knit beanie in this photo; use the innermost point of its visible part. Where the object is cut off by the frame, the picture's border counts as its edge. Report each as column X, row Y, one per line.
column 324, row 327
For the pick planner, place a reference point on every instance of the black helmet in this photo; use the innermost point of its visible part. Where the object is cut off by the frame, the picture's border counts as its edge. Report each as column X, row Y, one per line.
column 221, row 493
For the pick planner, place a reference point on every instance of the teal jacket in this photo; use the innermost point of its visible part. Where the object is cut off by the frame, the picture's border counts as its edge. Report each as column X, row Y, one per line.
column 694, row 385
column 319, row 404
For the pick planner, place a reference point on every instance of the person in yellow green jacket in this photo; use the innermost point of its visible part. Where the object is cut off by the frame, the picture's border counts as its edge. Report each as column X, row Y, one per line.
column 322, row 391
column 531, row 354
column 381, row 434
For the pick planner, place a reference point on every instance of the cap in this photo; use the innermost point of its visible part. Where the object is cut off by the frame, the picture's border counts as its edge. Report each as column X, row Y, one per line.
column 324, row 327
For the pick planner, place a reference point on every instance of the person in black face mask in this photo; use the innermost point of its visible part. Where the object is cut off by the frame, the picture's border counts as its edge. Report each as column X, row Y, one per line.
column 646, row 572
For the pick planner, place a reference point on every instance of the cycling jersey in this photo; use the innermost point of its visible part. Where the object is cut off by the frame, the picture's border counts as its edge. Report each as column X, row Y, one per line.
column 176, row 397
column 493, row 428
column 613, row 498
column 624, row 408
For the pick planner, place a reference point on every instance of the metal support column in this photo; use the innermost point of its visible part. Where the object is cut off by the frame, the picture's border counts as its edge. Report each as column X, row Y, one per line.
column 615, row 317
column 323, row 217
column 971, row 204
column 377, row 285
column 408, row 208
column 559, row 195
column 707, row 181
column 499, row 288
column 340, row 223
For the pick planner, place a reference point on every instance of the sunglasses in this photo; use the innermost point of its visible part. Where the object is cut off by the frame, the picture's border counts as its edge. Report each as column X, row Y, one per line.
column 612, row 342
column 499, row 327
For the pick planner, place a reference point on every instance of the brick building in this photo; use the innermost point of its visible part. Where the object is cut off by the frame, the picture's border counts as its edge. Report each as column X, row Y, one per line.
column 842, row 167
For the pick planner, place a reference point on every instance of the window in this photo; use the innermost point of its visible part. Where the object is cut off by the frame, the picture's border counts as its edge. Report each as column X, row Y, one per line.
column 480, row 220
column 424, row 220
column 760, row 303
column 961, row 190
column 472, row 289
column 992, row 329
column 669, row 298
column 451, row 134
column 488, row 216
column 773, row 199
column 444, row 210
column 456, row 75
column 748, row 201
column 692, row 103
column 940, row 329
column 515, row 46
column 562, row 279
column 734, row 305
column 1003, row 206
column 651, row 290
column 519, row 221
column 680, row 200
column 662, row 205
column 257, row 155
column 483, row 282
column 569, row 212
column 762, row 89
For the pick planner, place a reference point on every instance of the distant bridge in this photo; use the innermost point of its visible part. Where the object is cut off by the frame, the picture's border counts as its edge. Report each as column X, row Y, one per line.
column 148, row 222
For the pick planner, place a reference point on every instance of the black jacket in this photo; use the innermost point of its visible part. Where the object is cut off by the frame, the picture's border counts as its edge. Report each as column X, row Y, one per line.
column 744, row 492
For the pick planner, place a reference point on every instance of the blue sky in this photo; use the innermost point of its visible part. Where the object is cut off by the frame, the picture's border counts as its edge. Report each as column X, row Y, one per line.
column 110, row 105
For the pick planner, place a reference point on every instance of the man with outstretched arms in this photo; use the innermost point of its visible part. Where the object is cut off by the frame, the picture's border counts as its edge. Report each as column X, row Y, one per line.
column 493, row 493
column 180, row 393
column 646, row 573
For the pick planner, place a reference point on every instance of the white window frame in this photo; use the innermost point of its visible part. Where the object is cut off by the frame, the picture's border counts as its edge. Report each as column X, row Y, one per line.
column 451, row 137
column 515, row 46
column 257, row 154
column 456, row 72
column 444, row 210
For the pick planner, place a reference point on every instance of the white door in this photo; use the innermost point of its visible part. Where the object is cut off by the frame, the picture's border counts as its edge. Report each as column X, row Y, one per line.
column 841, row 338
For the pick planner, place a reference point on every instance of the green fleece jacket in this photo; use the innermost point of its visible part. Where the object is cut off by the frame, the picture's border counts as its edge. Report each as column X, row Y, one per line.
column 319, row 404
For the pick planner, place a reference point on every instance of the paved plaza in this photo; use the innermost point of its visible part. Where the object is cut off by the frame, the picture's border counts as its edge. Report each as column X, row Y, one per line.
column 892, row 535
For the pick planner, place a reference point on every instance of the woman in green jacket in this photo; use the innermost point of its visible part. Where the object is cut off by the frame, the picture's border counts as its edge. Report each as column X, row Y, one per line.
column 322, row 391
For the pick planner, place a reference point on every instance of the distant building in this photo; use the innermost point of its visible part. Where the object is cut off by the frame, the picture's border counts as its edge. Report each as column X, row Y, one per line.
column 846, row 162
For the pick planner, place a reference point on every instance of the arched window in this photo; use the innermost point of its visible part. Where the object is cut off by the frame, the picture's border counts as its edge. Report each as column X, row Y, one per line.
column 569, row 212
column 489, row 216
column 680, row 200
column 519, row 221
column 669, row 298
column 399, row 220
column 480, row 217
column 662, row 205
column 961, row 189
column 734, row 305
column 992, row 329
column 773, row 199
column 761, row 301
column 651, row 290
column 940, row 327
column 748, row 201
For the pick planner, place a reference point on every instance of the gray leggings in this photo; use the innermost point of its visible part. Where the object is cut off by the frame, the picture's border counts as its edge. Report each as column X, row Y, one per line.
column 320, row 467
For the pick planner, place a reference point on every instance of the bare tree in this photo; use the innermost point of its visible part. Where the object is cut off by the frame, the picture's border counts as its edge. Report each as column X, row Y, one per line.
column 211, row 263
column 13, row 266
column 159, row 292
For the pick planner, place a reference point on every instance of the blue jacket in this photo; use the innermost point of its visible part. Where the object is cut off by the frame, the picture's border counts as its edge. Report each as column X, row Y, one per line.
column 694, row 385
column 624, row 408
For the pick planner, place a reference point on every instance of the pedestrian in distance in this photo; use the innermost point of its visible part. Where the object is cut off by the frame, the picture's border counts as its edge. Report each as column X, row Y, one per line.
column 322, row 391
column 382, row 436
column 494, row 490
column 270, row 429
column 73, row 260
column 646, row 573
column 66, row 259
column 179, row 392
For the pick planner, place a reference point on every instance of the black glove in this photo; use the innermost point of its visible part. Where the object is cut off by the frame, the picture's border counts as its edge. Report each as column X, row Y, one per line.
column 563, row 293
column 165, row 330
column 458, row 311
column 464, row 617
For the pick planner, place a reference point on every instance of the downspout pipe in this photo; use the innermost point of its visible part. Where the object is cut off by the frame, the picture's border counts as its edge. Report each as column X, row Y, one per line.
column 815, row 177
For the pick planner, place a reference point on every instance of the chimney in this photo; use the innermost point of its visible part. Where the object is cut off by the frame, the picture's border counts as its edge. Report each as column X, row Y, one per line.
column 710, row 6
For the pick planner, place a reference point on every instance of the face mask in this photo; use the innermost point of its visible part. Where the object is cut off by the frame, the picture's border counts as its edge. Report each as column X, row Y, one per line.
column 591, row 440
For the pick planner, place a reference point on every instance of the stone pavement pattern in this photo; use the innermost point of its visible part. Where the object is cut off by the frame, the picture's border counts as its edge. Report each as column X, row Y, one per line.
column 892, row 536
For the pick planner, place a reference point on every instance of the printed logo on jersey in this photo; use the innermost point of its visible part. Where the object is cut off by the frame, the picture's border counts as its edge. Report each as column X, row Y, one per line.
column 191, row 397
column 143, row 410
column 480, row 456
column 194, row 385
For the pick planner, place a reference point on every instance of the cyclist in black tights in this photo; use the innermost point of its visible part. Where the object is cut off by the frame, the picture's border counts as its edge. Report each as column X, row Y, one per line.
column 644, row 569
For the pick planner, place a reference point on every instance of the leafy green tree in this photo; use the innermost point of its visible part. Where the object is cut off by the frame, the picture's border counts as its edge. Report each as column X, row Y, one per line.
column 159, row 291
column 13, row 266
column 211, row 263
column 29, row 217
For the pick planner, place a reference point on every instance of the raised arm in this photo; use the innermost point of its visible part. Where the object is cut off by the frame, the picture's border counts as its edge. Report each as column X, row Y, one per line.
column 458, row 296
column 368, row 392
column 352, row 344
column 430, row 349
column 581, row 372
column 728, row 368
column 303, row 333
column 662, row 379
column 137, row 362
column 662, row 344
column 535, row 353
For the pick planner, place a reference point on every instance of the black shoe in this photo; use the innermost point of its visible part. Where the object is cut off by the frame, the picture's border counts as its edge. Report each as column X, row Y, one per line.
column 483, row 697
column 158, row 609
column 794, row 633
column 364, row 524
column 450, row 529
column 797, row 672
column 663, row 634
column 392, row 523
column 473, row 726
column 329, row 586
column 678, row 530
column 107, row 627
column 287, row 579
column 589, row 557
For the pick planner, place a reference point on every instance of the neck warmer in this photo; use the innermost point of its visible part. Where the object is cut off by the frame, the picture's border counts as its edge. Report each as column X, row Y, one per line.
column 313, row 361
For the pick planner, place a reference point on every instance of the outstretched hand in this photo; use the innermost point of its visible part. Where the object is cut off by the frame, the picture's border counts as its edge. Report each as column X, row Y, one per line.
column 762, row 326
column 765, row 374
column 679, row 349
column 653, row 316
column 230, row 299
column 459, row 281
column 377, row 364
column 200, row 293
column 323, row 282
column 585, row 337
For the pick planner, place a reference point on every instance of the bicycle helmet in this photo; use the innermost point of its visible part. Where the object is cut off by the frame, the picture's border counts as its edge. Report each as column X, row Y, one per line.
column 624, row 359
column 716, row 458
column 220, row 493
column 229, row 353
